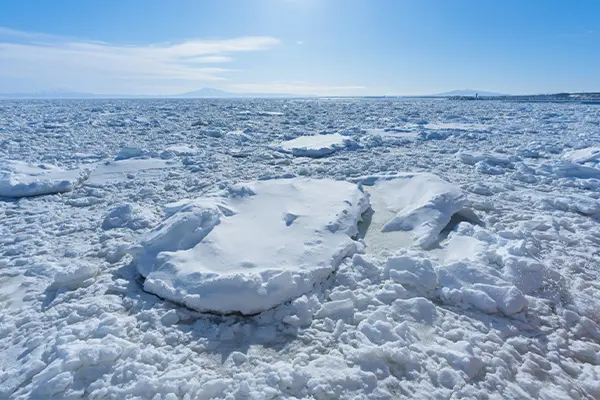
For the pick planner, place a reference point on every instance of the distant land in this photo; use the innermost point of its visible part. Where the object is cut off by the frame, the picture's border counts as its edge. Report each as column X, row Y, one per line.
column 211, row 93
column 204, row 93
column 469, row 92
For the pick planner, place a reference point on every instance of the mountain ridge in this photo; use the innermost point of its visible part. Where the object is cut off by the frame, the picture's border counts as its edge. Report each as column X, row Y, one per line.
column 204, row 93
column 469, row 92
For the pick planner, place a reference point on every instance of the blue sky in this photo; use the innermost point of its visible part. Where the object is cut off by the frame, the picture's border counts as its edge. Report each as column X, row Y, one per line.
column 329, row 47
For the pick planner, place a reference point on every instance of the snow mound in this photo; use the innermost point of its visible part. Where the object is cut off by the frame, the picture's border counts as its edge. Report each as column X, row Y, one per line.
column 582, row 156
column 180, row 150
column 130, row 152
column 19, row 179
column 74, row 275
column 566, row 169
column 315, row 145
column 495, row 159
column 128, row 216
column 422, row 203
column 260, row 244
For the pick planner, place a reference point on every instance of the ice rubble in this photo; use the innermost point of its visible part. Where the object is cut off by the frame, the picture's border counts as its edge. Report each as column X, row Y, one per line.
column 19, row 179
column 128, row 216
column 439, row 323
column 314, row 145
column 263, row 244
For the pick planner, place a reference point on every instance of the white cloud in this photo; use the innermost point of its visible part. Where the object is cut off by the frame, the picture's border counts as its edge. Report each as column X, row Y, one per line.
column 38, row 61
column 297, row 88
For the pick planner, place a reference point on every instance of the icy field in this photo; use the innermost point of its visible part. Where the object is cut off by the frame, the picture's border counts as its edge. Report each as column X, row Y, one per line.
column 274, row 249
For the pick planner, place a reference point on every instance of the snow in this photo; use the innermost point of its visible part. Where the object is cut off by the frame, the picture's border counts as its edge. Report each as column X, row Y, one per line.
column 421, row 203
column 456, row 126
column 581, row 156
column 487, row 286
column 314, row 145
column 393, row 132
column 19, row 179
column 263, row 244
column 114, row 171
column 128, row 216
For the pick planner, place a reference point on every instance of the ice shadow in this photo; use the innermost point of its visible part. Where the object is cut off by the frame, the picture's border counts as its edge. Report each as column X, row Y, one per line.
column 217, row 335
column 364, row 224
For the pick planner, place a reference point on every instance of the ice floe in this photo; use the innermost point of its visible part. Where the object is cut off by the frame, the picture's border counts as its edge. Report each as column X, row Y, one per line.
column 263, row 244
column 315, row 145
column 19, row 179
column 421, row 203
column 582, row 156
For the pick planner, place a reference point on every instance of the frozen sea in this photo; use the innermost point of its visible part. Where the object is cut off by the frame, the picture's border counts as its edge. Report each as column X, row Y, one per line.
column 299, row 249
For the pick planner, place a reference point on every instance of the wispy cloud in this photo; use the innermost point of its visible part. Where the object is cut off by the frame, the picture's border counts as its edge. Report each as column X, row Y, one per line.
column 297, row 88
column 51, row 61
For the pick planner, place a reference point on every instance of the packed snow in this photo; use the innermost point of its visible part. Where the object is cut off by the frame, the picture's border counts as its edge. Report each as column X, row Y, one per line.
column 582, row 156
column 259, row 245
column 176, row 249
column 19, row 179
column 314, row 145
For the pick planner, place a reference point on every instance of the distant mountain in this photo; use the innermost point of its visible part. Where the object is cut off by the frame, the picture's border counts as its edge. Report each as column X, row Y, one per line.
column 204, row 93
column 217, row 94
column 468, row 92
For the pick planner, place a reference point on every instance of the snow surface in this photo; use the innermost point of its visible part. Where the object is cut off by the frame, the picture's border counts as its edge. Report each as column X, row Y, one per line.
column 456, row 126
column 314, row 145
column 421, row 203
column 19, row 179
column 506, row 307
column 262, row 244
column 582, row 156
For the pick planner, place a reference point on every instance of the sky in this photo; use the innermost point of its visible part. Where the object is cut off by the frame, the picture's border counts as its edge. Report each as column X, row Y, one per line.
column 321, row 47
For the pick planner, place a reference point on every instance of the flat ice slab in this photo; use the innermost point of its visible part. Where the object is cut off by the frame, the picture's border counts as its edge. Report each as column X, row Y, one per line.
column 582, row 156
column 314, row 145
column 259, row 245
column 19, row 179
column 114, row 171
column 393, row 132
column 421, row 203
column 456, row 126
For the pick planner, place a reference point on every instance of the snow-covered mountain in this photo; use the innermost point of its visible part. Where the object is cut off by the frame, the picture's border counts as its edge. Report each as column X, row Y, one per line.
column 206, row 93
column 469, row 92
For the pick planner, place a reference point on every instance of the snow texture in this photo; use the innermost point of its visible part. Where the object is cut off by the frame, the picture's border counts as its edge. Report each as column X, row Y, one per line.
column 501, row 303
column 315, row 145
column 422, row 203
column 582, row 156
column 265, row 243
column 19, row 179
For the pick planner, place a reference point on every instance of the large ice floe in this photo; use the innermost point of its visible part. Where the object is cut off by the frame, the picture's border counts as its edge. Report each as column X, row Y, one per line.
column 421, row 203
column 261, row 244
column 315, row 145
column 19, row 179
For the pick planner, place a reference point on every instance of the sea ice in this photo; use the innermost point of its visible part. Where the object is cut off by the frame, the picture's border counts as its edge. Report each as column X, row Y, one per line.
column 582, row 156
column 19, row 179
column 114, row 171
column 262, row 244
column 422, row 203
column 315, row 145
